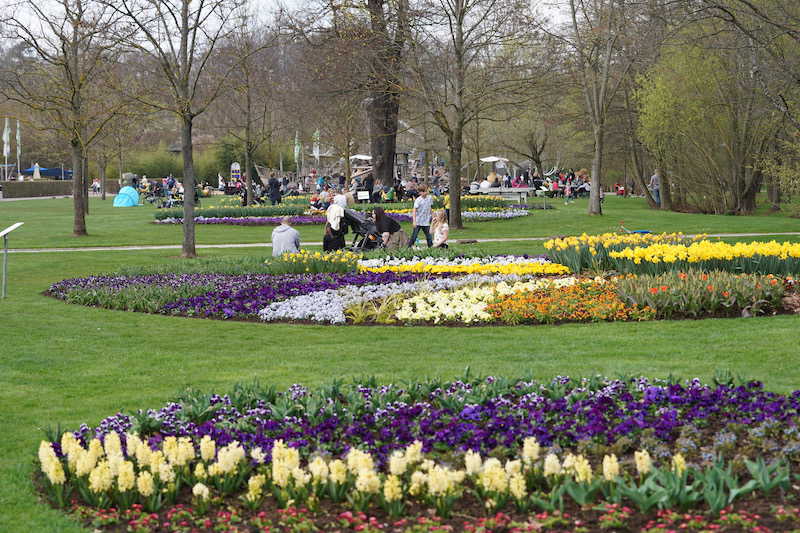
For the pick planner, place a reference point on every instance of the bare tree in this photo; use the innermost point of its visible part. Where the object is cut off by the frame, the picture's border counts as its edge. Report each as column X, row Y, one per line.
column 180, row 37
column 67, row 53
column 248, row 109
column 597, row 33
column 472, row 59
column 773, row 31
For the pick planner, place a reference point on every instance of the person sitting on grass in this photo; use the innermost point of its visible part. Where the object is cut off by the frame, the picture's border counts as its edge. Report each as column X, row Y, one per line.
column 285, row 239
column 440, row 229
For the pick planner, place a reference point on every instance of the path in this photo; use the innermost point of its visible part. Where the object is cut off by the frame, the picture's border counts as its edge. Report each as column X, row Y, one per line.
column 268, row 245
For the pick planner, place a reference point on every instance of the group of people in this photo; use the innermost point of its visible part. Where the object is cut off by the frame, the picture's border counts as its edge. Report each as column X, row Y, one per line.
column 432, row 224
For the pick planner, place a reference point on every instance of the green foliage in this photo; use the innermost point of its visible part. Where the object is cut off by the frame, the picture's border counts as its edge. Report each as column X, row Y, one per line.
column 705, row 120
column 156, row 163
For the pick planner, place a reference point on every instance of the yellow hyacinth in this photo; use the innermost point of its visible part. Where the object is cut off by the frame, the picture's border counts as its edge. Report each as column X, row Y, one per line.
column 368, row 482
column 517, row 486
column 201, row 492
column 144, row 484
column 678, row 464
column 610, row 467
column 644, row 464
column 530, row 450
column 552, row 466
column 338, row 472
column 208, row 448
column 473, row 462
column 398, row 463
column 100, row 479
column 126, row 478
column 319, row 469
column 392, row 489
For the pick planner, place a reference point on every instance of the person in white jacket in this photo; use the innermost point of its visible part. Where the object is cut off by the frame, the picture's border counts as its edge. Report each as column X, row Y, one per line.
column 285, row 239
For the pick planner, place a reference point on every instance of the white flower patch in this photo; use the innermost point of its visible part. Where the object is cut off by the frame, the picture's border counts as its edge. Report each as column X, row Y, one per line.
column 329, row 306
column 467, row 304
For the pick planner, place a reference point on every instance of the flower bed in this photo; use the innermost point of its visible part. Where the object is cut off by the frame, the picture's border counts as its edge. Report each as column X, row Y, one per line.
column 611, row 451
column 319, row 219
column 248, row 221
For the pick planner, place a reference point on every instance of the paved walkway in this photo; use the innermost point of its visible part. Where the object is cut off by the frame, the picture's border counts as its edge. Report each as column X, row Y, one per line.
column 268, row 245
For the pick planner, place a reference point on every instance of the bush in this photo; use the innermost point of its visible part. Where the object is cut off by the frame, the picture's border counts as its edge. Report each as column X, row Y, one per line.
column 27, row 189
column 696, row 294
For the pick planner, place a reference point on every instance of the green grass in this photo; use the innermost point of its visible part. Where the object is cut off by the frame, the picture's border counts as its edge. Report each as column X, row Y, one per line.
column 69, row 364
column 48, row 224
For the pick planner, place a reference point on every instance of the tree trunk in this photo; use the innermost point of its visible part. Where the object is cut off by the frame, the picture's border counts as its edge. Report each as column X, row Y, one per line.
column 188, row 188
column 666, row 189
column 456, row 145
column 383, row 112
column 85, row 181
column 774, row 194
column 79, row 220
column 595, row 208
column 101, row 169
column 248, row 176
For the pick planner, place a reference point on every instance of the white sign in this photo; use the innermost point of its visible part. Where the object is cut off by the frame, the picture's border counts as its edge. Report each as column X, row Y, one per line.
column 363, row 195
column 236, row 171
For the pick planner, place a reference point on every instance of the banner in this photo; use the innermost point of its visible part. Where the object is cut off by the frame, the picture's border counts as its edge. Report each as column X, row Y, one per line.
column 7, row 139
column 297, row 150
column 316, row 147
column 19, row 141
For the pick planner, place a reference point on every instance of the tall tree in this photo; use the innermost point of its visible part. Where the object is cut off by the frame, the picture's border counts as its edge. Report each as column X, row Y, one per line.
column 597, row 33
column 472, row 59
column 65, row 55
column 390, row 25
column 180, row 38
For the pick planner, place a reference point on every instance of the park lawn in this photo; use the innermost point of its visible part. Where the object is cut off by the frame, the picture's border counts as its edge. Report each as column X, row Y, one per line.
column 48, row 224
column 65, row 364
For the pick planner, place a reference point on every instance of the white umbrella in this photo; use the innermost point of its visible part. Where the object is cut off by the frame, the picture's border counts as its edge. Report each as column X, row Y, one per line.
column 493, row 159
column 361, row 157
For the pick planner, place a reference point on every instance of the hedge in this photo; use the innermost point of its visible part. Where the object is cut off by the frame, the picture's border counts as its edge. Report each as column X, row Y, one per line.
column 42, row 188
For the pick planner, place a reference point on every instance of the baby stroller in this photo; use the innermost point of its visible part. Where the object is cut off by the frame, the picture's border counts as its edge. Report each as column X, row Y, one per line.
column 366, row 236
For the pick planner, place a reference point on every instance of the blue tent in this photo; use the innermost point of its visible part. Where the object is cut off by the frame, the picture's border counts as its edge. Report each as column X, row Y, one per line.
column 126, row 197
column 49, row 172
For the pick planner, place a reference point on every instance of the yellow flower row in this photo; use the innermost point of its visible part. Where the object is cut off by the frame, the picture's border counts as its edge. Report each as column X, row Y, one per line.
column 305, row 256
column 707, row 251
column 615, row 239
column 520, row 269
column 143, row 472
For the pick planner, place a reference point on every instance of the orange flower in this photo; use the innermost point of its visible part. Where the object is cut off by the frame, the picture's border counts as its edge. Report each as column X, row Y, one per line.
column 682, row 275
column 725, row 294
column 704, row 277
column 710, row 288
column 653, row 290
column 773, row 281
column 664, row 288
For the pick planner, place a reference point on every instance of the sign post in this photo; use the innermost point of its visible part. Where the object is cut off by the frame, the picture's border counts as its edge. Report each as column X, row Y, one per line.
column 236, row 171
column 4, row 234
